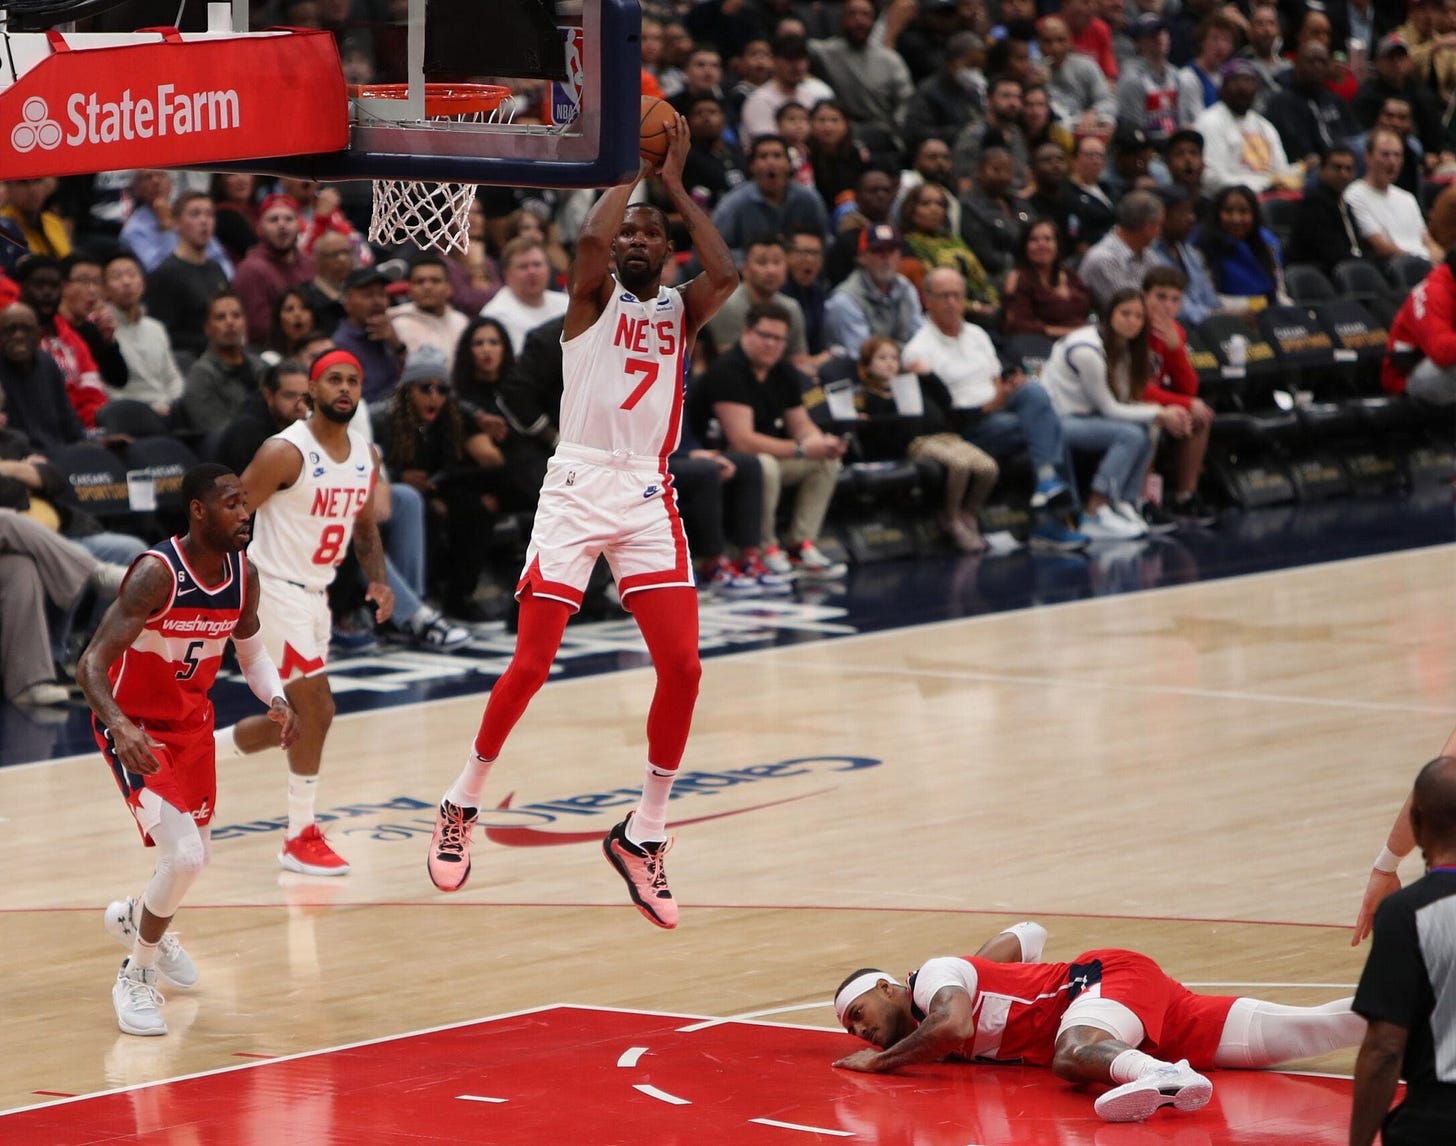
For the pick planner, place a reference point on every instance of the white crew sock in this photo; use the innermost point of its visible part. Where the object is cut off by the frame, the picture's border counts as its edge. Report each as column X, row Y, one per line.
column 649, row 822
column 1131, row 1065
column 465, row 792
column 302, row 792
column 143, row 954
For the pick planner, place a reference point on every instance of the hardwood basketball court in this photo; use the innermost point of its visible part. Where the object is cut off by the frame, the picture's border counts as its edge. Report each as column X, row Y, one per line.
column 1202, row 773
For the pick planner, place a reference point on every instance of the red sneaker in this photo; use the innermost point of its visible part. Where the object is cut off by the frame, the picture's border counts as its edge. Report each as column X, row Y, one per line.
column 308, row 853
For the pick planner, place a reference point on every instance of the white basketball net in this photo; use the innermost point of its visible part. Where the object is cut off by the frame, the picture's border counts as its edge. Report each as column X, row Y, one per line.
column 435, row 216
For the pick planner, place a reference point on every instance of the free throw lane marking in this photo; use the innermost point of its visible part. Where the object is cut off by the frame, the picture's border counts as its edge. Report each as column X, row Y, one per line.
column 661, row 1095
column 799, row 1126
column 631, row 1055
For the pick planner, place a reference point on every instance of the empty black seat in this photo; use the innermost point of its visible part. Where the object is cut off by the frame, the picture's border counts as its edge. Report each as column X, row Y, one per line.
column 1307, row 285
column 1406, row 272
column 97, row 478
column 128, row 416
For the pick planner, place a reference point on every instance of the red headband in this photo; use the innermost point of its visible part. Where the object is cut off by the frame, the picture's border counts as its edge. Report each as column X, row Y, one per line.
column 278, row 199
column 333, row 358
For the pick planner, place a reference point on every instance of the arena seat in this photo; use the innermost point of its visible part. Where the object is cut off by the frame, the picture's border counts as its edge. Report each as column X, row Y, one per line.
column 1356, row 279
column 1298, row 339
column 97, row 478
column 1217, row 333
column 128, row 416
column 165, row 460
column 1406, row 272
column 1280, row 216
column 1029, row 351
column 1307, row 285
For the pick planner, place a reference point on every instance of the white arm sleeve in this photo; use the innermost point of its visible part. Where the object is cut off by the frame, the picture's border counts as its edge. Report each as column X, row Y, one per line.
column 258, row 668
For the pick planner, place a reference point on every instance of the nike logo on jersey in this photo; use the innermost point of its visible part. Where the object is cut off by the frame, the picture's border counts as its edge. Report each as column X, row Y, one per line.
column 184, row 592
column 627, row 298
column 361, row 467
column 318, row 473
column 650, row 491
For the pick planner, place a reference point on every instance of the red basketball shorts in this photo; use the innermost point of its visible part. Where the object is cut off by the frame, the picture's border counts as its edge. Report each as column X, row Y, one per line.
column 187, row 779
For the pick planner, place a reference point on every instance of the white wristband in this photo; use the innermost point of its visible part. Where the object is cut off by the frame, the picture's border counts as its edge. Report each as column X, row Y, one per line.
column 1387, row 861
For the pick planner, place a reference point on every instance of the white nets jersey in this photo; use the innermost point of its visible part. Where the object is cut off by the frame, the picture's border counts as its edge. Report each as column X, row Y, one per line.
column 622, row 377
column 301, row 534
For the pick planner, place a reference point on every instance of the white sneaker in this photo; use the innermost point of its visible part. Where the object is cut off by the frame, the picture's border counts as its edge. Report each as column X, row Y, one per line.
column 1176, row 1084
column 775, row 560
column 1131, row 514
column 173, row 963
column 41, row 695
column 812, row 563
column 1109, row 525
column 432, row 631
column 137, row 1001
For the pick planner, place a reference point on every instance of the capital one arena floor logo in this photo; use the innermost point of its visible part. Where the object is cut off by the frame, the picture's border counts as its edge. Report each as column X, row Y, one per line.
column 540, row 824
column 36, row 128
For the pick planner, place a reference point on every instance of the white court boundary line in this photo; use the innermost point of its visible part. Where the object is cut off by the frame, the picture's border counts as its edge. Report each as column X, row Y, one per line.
column 878, row 634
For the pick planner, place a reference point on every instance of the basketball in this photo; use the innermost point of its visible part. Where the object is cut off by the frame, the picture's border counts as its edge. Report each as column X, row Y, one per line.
column 656, row 115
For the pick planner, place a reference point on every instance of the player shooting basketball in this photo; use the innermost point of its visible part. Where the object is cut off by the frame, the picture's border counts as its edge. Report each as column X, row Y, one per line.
column 146, row 674
column 607, row 491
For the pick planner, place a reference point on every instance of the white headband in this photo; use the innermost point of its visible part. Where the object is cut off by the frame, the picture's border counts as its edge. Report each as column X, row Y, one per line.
column 857, row 987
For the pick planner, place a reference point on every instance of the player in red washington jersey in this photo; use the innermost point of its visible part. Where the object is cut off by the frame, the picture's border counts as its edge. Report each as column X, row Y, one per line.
column 312, row 487
column 607, row 491
column 1109, row 1016
column 146, row 674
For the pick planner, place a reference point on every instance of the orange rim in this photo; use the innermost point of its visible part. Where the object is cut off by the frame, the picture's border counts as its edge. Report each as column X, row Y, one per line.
column 440, row 99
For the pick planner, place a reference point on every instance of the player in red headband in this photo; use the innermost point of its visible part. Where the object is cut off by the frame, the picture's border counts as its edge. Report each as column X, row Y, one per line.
column 312, row 486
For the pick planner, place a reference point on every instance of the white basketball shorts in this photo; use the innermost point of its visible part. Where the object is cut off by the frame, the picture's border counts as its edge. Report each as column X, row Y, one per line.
column 296, row 625
column 595, row 502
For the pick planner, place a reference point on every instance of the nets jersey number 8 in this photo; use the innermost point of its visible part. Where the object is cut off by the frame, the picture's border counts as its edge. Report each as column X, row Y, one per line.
column 330, row 549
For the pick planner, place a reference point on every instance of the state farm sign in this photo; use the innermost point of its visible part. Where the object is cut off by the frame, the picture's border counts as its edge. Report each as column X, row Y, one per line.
column 214, row 100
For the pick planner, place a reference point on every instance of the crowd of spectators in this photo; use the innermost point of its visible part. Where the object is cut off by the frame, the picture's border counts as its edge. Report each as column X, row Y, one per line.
column 911, row 186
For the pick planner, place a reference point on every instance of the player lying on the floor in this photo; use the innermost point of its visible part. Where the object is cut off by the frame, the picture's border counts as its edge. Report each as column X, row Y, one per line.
column 1110, row 1016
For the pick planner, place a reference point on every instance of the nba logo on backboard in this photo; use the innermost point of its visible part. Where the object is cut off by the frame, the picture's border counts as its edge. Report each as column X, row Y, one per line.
column 566, row 98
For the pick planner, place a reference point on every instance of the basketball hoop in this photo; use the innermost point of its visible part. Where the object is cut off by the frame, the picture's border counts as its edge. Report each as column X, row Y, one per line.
column 433, row 214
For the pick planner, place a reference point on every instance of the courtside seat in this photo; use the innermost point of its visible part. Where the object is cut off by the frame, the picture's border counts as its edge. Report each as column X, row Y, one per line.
column 165, row 460
column 1384, row 415
column 1299, row 341
column 98, row 481
column 1218, row 331
column 1321, row 421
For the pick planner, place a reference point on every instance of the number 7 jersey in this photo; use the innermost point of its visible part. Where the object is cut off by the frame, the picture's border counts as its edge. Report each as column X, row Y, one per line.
column 622, row 377
column 301, row 534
